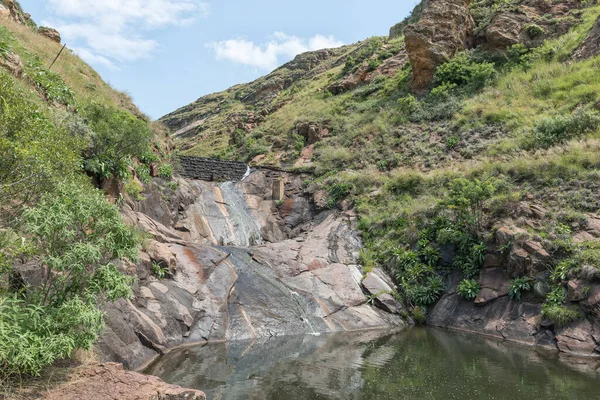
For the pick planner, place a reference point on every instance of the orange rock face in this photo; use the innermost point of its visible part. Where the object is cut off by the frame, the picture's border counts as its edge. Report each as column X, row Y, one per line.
column 445, row 28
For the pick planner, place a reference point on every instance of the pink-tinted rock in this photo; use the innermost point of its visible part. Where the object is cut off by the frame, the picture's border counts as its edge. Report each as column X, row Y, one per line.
column 577, row 338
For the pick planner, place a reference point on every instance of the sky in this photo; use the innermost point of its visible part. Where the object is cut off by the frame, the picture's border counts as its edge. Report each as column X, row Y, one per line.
column 168, row 53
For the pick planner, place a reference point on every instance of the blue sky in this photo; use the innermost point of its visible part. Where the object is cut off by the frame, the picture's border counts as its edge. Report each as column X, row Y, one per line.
column 168, row 53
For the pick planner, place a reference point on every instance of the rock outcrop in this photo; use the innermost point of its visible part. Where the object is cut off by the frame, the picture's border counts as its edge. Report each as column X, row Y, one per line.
column 494, row 313
column 590, row 47
column 11, row 9
column 445, row 28
column 242, row 266
column 50, row 33
column 12, row 62
column 110, row 381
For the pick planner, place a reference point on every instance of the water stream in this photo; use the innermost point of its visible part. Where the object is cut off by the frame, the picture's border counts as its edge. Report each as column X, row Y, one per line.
column 418, row 363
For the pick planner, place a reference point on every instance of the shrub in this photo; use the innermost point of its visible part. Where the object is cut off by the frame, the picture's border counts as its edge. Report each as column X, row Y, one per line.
column 470, row 260
column 165, row 171
column 373, row 64
column 519, row 285
column 557, row 296
column 419, row 315
column 467, row 197
column 468, row 289
column 463, row 71
column 159, row 270
column 554, row 130
column 408, row 104
column 35, row 154
column 134, row 189
column 118, row 136
column 32, row 337
column 73, row 234
column 560, row 315
column 452, row 142
column 534, row 30
column 338, row 192
column 427, row 293
column 143, row 173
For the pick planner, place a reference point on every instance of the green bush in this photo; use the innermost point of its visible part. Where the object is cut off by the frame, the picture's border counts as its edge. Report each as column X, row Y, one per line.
column 118, row 136
column 73, row 234
column 165, row 171
column 408, row 105
column 134, row 189
column 373, row 64
column 143, row 173
column 519, row 285
column 35, row 154
column 452, row 142
column 554, row 130
column 76, row 233
column 419, row 315
column 159, row 271
column 534, row 30
column 464, row 72
column 468, row 289
column 560, row 315
column 467, row 197
column 338, row 192
column 33, row 337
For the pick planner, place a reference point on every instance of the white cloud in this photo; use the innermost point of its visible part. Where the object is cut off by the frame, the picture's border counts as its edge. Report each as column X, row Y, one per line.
column 109, row 32
column 91, row 58
column 267, row 55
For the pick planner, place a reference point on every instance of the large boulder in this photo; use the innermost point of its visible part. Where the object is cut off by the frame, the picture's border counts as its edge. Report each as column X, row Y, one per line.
column 506, row 30
column 445, row 28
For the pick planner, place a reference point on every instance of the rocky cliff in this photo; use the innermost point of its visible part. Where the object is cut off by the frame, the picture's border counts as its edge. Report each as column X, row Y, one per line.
column 239, row 265
column 464, row 144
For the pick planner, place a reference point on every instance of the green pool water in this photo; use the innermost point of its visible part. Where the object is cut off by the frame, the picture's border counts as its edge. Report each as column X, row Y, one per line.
column 417, row 363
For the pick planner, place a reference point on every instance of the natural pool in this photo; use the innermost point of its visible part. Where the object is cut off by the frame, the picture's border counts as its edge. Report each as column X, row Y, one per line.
column 418, row 363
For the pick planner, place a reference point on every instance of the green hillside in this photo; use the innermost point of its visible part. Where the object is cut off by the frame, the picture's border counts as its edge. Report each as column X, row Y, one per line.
column 64, row 133
column 498, row 129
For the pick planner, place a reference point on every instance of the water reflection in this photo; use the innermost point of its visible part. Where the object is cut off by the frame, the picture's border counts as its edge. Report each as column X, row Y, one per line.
column 416, row 363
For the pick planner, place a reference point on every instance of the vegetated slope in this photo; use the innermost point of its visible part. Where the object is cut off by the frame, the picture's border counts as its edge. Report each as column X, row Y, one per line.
column 494, row 168
column 63, row 134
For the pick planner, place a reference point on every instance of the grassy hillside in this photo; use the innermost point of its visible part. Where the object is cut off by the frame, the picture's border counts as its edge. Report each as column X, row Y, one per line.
column 64, row 133
column 497, row 130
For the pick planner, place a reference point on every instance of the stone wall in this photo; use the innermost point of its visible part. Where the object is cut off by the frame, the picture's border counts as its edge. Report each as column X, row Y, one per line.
column 207, row 169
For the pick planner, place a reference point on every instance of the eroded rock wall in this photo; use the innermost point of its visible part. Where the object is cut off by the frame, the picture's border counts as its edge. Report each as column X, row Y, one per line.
column 241, row 265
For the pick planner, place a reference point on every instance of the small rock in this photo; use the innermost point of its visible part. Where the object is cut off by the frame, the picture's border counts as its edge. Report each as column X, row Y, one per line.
column 535, row 249
column 576, row 289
